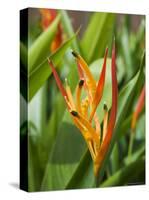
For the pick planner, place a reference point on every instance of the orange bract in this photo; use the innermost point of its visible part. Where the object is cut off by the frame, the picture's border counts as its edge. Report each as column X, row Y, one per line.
column 47, row 17
column 84, row 110
column 138, row 108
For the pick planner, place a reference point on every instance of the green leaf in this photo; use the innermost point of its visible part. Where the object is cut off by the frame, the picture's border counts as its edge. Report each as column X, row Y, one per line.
column 33, row 164
column 41, row 73
column 70, row 148
column 69, row 29
column 137, row 154
column 127, row 53
column 115, row 158
column 52, row 125
column 97, row 36
column 126, row 174
column 41, row 47
column 83, row 178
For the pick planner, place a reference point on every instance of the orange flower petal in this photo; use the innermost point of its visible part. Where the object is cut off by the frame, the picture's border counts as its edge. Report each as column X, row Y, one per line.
column 105, row 122
column 90, row 81
column 58, row 81
column 70, row 97
column 80, row 72
column 100, row 87
column 112, row 119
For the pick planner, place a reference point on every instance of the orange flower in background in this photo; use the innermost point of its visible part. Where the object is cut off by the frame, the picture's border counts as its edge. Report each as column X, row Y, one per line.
column 47, row 17
column 83, row 110
column 138, row 109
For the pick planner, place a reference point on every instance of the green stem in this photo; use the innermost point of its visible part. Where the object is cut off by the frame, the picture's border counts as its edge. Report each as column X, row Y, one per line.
column 131, row 142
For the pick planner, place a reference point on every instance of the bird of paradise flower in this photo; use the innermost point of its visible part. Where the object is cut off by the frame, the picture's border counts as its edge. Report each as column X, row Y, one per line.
column 83, row 111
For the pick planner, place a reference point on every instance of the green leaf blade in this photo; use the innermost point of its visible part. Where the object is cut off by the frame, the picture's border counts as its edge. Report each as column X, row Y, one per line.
column 42, row 72
column 41, row 47
column 101, row 29
column 122, row 176
column 69, row 29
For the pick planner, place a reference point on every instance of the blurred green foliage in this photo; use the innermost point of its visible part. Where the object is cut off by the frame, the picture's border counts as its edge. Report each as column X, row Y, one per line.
column 57, row 154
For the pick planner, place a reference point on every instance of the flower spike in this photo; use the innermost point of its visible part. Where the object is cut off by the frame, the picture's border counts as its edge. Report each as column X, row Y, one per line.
column 83, row 110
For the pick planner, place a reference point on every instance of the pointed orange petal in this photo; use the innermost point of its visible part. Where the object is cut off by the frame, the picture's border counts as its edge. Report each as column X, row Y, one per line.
column 80, row 72
column 90, row 81
column 70, row 96
column 138, row 108
column 105, row 121
column 112, row 119
column 58, row 81
column 100, row 87
column 113, row 112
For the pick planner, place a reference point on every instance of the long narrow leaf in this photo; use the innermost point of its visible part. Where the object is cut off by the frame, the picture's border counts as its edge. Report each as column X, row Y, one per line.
column 97, row 36
column 69, row 29
column 41, row 47
column 125, row 174
column 42, row 72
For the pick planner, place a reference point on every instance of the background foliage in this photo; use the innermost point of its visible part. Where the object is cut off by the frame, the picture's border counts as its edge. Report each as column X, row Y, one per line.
column 57, row 154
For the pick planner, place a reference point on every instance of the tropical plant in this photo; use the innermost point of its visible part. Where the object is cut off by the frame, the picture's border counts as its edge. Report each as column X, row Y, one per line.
column 90, row 130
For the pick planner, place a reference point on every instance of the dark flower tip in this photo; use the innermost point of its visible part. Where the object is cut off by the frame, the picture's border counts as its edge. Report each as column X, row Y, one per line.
column 74, row 113
column 105, row 107
column 75, row 54
column 81, row 82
